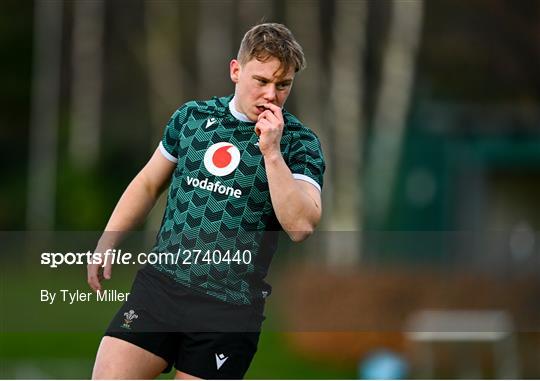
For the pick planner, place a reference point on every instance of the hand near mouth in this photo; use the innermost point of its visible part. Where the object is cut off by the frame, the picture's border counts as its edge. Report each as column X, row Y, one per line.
column 269, row 128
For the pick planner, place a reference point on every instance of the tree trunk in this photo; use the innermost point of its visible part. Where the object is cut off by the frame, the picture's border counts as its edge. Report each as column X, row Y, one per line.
column 392, row 106
column 214, row 50
column 166, row 79
column 44, row 115
column 87, row 83
column 346, row 119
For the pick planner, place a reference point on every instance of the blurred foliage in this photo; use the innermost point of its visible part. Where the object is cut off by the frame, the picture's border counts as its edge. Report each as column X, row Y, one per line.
column 484, row 50
column 481, row 52
column 15, row 76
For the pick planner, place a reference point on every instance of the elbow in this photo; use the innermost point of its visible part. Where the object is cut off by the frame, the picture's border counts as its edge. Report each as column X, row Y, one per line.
column 302, row 226
column 300, row 234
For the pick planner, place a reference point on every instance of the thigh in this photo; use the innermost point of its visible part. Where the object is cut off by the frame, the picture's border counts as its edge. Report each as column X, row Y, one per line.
column 184, row 376
column 119, row 359
column 139, row 327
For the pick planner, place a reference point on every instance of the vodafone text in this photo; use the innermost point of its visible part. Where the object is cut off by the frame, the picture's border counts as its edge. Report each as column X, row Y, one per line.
column 216, row 187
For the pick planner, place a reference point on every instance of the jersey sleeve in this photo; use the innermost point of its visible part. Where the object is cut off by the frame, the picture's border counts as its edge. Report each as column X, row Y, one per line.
column 171, row 136
column 306, row 160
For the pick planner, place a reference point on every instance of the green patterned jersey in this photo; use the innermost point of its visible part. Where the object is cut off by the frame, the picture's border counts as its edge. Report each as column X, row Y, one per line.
column 219, row 225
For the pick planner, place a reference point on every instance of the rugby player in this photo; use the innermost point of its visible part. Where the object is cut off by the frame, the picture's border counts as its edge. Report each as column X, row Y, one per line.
column 240, row 168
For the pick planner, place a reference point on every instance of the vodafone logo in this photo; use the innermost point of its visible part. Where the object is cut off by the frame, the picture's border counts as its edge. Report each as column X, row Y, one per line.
column 221, row 159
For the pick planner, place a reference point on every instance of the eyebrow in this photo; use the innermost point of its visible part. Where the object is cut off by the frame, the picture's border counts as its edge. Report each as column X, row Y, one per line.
column 284, row 81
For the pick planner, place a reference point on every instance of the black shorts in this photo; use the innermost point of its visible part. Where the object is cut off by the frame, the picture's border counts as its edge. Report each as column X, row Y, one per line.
column 196, row 333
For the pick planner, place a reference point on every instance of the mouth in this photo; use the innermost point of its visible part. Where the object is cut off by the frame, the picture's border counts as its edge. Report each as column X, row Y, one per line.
column 260, row 109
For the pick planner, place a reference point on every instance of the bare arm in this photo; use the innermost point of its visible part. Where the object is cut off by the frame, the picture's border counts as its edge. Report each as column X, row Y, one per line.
column 132, row 208
column 297, row 203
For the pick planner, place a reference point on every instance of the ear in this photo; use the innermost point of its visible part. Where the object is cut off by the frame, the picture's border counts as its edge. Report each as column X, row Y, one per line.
column 235, row 68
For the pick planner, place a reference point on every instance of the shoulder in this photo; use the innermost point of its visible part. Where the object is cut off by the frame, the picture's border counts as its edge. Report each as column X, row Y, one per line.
column 298, row 130
column 214, row 106
column 185, row 109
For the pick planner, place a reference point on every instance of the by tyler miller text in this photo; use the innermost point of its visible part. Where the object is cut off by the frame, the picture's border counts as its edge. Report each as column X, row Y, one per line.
column 77, row 296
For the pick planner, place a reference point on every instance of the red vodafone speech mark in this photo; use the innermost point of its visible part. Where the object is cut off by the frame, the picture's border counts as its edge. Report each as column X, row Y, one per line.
column 222, row 157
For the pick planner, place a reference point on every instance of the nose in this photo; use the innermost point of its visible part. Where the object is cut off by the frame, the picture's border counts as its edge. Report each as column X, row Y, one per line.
column 270, row 93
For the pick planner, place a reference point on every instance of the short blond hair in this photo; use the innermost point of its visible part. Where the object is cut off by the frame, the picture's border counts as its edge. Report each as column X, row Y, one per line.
column 269, row 40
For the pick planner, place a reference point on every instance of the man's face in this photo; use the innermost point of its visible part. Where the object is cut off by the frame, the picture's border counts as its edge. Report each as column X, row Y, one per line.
column 258, row 83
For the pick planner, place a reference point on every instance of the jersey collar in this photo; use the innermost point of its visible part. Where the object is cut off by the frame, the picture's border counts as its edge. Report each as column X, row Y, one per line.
column 237, row 114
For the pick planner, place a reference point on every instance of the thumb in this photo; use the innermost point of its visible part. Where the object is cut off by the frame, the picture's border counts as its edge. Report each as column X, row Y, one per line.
column 107, row 271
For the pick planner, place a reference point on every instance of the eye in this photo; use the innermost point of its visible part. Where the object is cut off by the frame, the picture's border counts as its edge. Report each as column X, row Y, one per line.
column 262, row 82
column 283, row 86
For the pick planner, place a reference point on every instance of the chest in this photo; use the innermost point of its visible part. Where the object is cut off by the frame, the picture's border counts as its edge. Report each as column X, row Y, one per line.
column 221, row 158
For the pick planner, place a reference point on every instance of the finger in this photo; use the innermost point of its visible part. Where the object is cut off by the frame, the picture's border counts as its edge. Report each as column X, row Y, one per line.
column 92, row 278
column 263, row 125
column 271, row 117
column 272, row 107
column 265, row 114
column 272, row 120
column 276, row 110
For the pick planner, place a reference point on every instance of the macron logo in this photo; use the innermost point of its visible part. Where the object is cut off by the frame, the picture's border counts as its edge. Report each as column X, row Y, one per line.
column 220, row 360
column 210, row 122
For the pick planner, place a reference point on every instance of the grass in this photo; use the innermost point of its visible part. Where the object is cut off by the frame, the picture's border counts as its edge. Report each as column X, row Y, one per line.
column 70, row 355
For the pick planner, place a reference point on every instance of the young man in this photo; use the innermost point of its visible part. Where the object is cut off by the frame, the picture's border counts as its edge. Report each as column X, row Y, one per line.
column 240, row 168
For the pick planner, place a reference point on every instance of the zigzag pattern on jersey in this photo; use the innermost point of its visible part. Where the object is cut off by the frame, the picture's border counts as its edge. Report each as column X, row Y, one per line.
column 306, row 156
column 198, row 219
